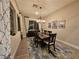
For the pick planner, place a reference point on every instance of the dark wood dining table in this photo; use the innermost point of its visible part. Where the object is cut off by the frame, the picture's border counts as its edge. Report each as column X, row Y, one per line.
column 43, row 36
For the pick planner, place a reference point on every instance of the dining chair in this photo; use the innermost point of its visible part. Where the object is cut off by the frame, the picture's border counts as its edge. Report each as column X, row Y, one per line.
column 36, row 37
column 44, row 31
column 51, row 41
column 49, row 32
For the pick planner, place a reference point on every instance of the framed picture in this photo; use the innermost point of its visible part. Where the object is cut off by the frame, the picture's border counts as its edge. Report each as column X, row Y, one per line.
column 61, row 24
column 1, row 9
column 54, row 24
column 57, row 24
column 49, row 25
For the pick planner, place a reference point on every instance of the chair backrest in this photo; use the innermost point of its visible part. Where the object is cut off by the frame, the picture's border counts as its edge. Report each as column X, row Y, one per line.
column 52, row 37
column 49, row 32
column 36, row 34
column 45, row 31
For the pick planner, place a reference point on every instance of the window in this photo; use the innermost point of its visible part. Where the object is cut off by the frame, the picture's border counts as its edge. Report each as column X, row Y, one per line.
column 33, row 25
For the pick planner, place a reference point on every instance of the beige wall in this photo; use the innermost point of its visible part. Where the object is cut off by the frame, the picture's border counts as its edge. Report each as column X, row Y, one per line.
column 27, row 24
column 13, row 2
column 23, row 27
column 69, row 13
column 20, row 15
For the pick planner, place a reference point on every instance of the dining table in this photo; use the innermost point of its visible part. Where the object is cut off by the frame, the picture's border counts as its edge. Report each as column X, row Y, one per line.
column 41, row 38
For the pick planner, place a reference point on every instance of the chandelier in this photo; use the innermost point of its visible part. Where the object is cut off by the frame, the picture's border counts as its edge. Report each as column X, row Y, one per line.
column 39, row 5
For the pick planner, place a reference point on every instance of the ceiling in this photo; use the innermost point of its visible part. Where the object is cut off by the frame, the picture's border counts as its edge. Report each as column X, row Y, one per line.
column 48, row 6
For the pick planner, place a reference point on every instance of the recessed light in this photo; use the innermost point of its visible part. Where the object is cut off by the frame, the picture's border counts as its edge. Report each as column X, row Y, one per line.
column 36, row 12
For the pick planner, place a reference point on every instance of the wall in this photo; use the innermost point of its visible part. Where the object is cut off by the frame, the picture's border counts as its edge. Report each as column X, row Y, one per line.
column 23, row 26
column 27, row 24
column 5, row 30
column 70, row 13
column 22, row 20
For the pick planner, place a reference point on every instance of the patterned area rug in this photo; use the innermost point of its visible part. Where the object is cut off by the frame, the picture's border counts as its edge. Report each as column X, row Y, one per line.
column 42, row 53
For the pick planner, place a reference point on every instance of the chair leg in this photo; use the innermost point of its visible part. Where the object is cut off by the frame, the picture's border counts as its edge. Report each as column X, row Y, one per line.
column 54, row 47
column 37, row 43
column 48, row 49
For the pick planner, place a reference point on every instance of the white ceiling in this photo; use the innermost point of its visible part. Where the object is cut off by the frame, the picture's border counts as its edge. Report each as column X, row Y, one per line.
column 49, row 6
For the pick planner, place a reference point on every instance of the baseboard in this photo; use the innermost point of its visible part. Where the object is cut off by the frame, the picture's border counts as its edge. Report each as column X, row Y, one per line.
column 69, row 44
column 24, row 34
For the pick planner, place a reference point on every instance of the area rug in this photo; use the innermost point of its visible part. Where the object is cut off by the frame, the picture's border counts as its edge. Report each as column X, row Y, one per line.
column 62, row 52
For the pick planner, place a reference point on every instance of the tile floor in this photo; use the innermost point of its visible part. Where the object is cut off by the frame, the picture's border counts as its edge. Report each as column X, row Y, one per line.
column 23, row 51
